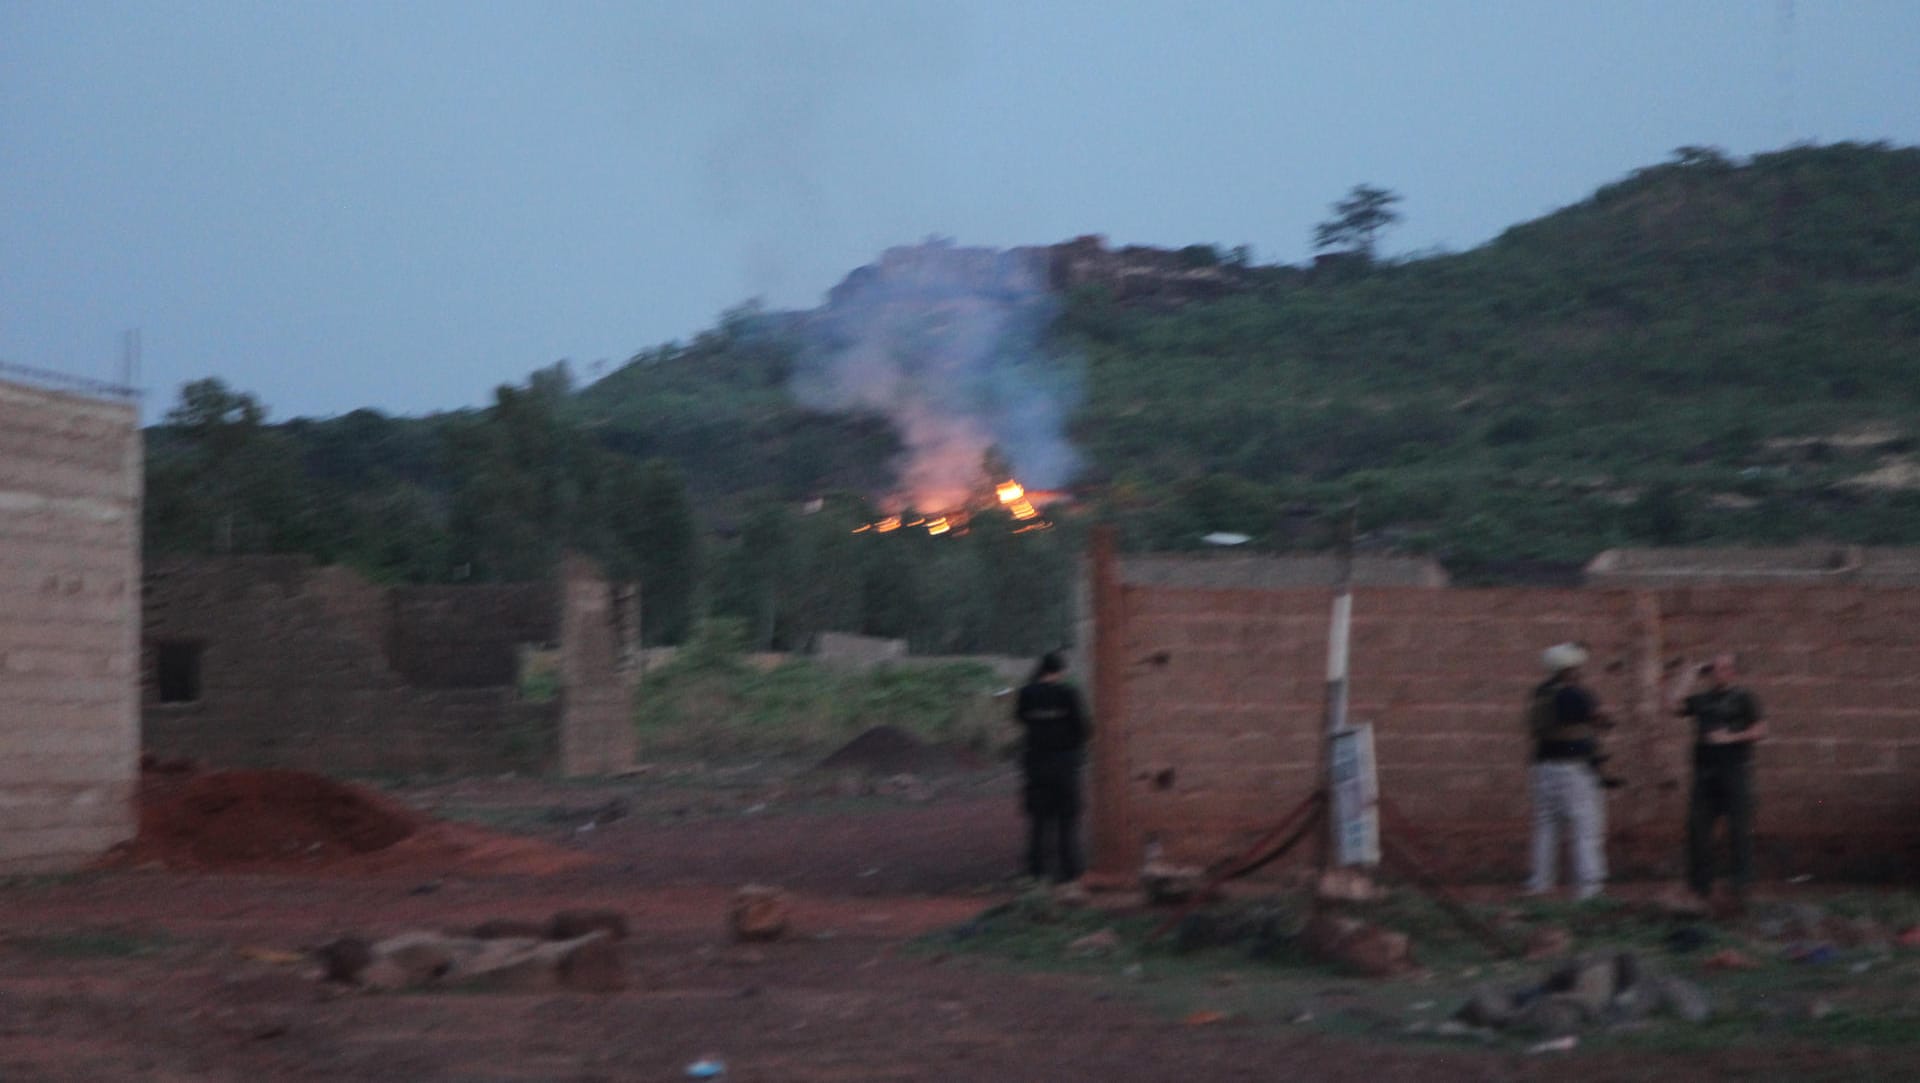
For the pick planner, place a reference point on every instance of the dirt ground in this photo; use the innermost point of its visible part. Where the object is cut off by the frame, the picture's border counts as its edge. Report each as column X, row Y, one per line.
column 146, row 973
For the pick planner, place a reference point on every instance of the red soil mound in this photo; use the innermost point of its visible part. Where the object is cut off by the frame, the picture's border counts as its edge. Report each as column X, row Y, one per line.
column 275, row 820
column 230, row 818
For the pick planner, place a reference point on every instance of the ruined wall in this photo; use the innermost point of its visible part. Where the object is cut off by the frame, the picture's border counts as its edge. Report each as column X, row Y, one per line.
column 290, row 669
column 466, row 636
column 1217, row 697
column 69, row 569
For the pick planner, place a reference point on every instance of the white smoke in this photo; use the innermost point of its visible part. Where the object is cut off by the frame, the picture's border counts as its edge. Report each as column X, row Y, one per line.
column 948, row 343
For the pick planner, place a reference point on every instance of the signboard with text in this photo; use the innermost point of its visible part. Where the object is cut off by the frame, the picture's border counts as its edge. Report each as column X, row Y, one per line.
column 1356, row 796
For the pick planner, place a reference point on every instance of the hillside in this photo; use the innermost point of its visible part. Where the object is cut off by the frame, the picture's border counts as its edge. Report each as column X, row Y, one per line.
column 1702, row 351
column 1705, row 351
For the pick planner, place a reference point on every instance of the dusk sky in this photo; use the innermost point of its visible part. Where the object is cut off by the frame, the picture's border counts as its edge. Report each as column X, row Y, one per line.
column 401, row 205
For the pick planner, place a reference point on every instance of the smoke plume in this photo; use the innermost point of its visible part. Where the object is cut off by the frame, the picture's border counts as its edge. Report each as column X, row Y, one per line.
column 947, row 342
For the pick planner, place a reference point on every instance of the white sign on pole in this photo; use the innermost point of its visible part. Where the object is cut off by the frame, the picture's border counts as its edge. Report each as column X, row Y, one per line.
column 1356, row 797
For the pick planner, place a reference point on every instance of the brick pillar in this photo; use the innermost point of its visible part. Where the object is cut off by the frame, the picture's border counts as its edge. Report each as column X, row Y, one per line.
column 596, row 700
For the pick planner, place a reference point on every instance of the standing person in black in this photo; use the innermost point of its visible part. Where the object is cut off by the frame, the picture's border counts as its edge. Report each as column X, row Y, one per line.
column 1056, row 731
column 1727, row 724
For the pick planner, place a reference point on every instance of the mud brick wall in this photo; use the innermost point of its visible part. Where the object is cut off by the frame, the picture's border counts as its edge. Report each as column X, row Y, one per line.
column 466, row 637
column 1217, row 701
column 293, row 672
column 69, row 626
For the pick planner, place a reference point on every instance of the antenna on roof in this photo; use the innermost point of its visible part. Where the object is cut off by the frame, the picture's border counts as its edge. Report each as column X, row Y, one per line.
column 130, row 358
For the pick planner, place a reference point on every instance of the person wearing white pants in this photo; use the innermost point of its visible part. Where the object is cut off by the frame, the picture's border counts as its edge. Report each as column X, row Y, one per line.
column 1564, row 720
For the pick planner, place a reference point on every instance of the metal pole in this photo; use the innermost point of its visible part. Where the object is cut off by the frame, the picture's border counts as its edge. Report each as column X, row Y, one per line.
column 1338, row 649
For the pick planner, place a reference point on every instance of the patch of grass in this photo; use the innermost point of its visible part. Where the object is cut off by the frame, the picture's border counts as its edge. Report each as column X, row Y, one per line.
column 91, row 943
column 710, row 701
column 1265, row 979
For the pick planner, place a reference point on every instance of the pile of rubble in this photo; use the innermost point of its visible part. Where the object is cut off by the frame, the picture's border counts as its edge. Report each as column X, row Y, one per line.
column 580, row 950
column 1589, row 991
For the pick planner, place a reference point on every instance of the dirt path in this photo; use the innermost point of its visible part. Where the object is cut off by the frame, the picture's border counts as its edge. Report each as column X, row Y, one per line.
column 145, row 975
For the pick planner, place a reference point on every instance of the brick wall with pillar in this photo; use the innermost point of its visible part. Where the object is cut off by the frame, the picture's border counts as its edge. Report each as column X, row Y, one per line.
column 1215, row 698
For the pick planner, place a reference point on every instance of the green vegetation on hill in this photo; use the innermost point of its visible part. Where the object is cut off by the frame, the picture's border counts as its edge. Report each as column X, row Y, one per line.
column 1646, row 367
column 1708, row 351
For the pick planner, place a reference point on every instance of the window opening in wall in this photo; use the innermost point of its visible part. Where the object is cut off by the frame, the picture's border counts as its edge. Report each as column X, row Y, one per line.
column 179, row 671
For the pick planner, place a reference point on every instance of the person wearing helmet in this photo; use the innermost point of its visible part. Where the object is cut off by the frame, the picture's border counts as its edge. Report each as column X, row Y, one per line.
column 1563, row 723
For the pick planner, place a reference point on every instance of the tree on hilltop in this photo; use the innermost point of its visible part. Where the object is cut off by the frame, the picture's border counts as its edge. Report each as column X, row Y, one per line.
column 1357, row 221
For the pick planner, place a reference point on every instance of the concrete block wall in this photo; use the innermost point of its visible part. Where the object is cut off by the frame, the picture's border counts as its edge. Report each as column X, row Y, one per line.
column 1220, row 699
column 294, row 672
column 69, row 626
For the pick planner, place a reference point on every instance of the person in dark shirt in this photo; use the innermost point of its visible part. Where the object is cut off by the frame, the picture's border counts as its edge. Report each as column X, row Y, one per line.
column 1049, row 711
column 1563, row 722
column 1727, row 724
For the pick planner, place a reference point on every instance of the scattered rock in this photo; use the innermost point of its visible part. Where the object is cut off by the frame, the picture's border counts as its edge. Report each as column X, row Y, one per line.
column 591, row 963
column 1553, row 1015
column 410, row 959
column 1614, row 989
column 1588, row 981
column 1909, row 937
column 1487, row 1007
column 1548, row 942
column 1365, row 948
column 1104, row 942
column 1205, row 1018
column 759, row 913
column 573, row 924
column 1685, row 999
column 1071, row 895
column 1168, row 883
column 596, row 964
column 1565, row 1044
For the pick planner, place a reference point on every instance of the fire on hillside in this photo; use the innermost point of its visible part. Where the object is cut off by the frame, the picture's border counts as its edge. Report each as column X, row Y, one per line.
column 1017, row 500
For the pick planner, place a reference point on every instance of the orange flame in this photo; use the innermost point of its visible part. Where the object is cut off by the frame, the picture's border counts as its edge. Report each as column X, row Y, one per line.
column 888, row 525
column 938, row 526
column 1009, row 491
